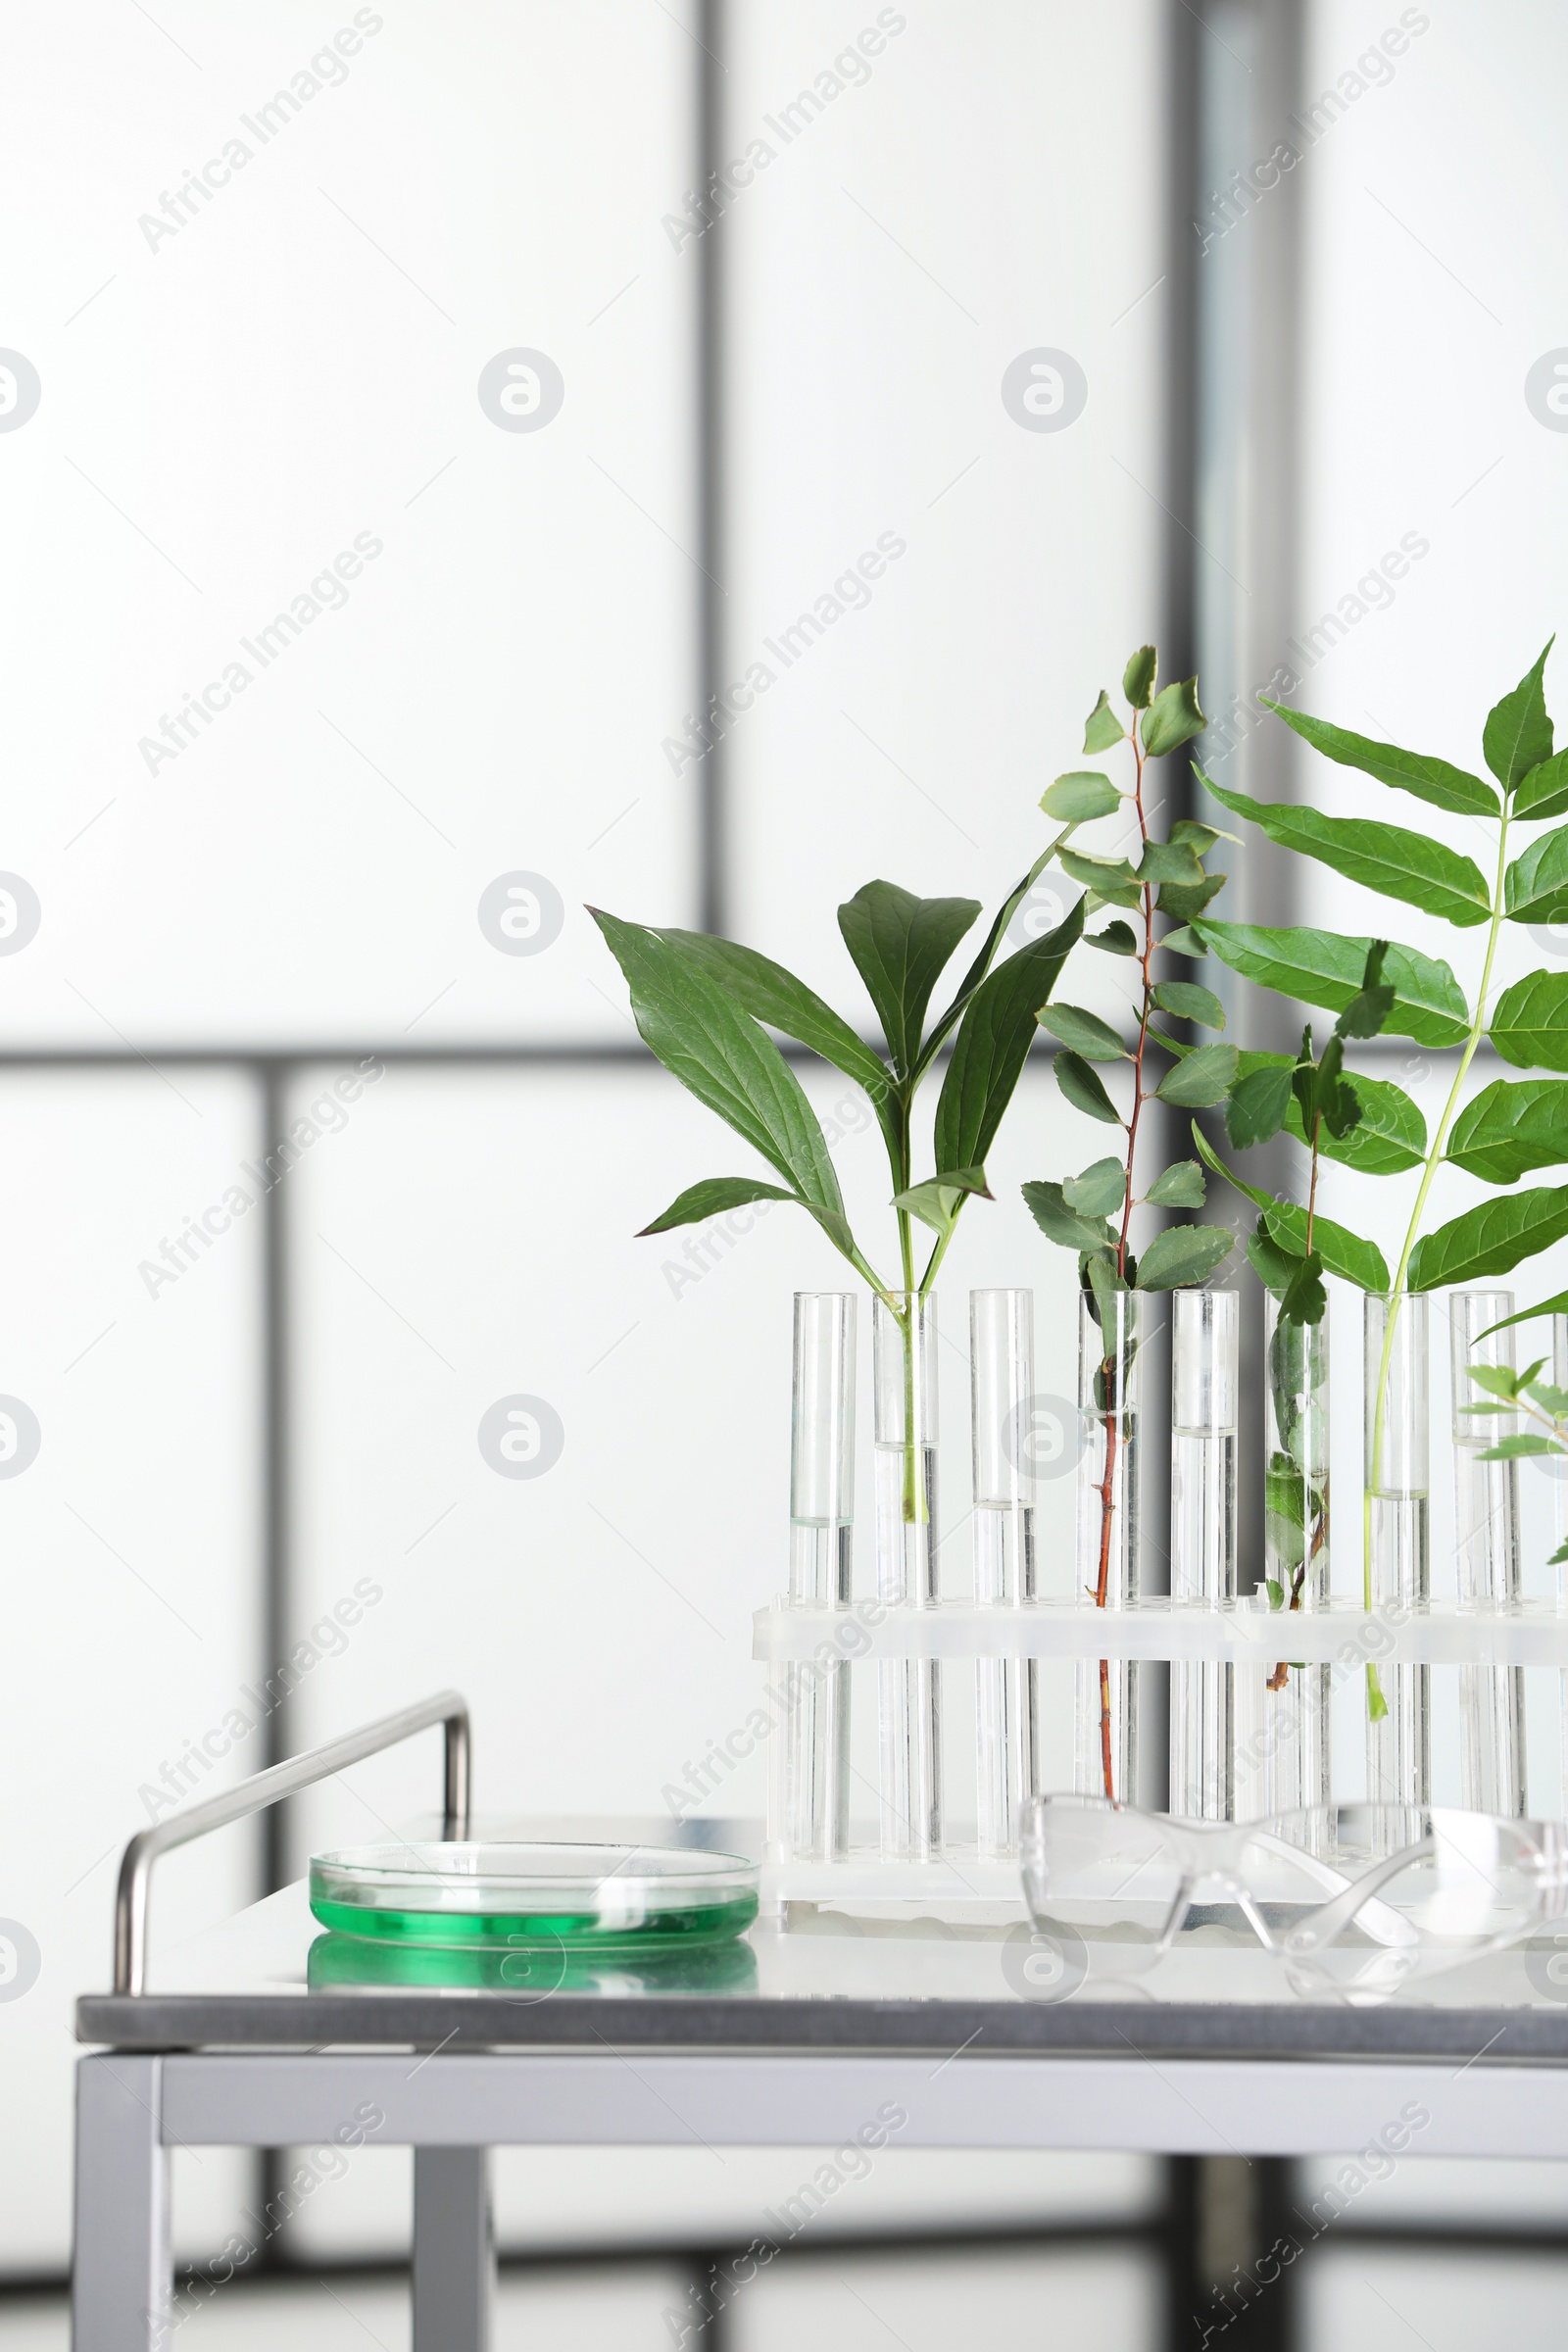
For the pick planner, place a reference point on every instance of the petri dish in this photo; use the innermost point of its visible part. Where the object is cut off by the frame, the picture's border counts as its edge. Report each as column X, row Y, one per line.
column 484, row 1895
column 531, row 1972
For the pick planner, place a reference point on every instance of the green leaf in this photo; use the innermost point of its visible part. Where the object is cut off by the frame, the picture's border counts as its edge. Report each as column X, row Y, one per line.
column 1274, row 1267
column 1098, row 1190
column 1305, row 1300
column 1110, row 878
column 1083, row 1033
column 1517, row 735
column 1320, row 967
column 1323, row 1093
column 900, row 945
column 1490, row 1238
column 1199, row 837
column 1513, row 1125
column 1543, row 792
column 1080, row 795
column 936, row 1202
column 768, row 992
column 1429, row 779
column 1284, row 1489
column 1174, row 861
column 1116, row 939
column 1181, row 1186
column 1138, row 678
column 1183, row 1255
column 1496, row 1380
column 1556, row 1306
column 711, row 1198
column 1276, row 1594
column 1390, row 1136
column 724, row 1057
column 1183, row 901
column 1172, row 719
column 1205, row 1078
column 1256, row 1109
column 1510, row 1450
column 1189, row 1002
column 1105, row 1283
column 1535, row 888
column 1373, row 1002
column 1385, row 857
column 1083, row 1089
column 1059, row 1223
column 1103, row 728
column 1530, row 1023
column 1182, row 942
column 1550, row 1400
column 993, row 1044
column 1343, row 1252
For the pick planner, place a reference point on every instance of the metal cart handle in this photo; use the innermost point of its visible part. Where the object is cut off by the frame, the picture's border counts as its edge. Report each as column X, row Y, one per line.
column 448, row 1708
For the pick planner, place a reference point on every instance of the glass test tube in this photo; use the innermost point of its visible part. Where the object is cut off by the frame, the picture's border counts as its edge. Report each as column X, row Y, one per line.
column 816, row 1776
column 1485, row 1538
column 1558, row 1471
column 909, row 1690
column 1007, row 1689
column 1108, row 1531
column 1204, row 1331
column 1397, row 1534
column 1282, row 1745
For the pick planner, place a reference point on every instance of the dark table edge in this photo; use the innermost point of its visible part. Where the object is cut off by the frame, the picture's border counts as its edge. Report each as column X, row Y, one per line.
column 1107, row 2029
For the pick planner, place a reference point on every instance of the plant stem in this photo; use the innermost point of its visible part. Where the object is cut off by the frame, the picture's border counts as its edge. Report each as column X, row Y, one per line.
column 1439, row 1140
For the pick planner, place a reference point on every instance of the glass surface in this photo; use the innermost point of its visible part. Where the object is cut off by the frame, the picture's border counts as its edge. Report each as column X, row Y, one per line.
column 813, row 1810
column 903, row 1334
column 1485, row 1545
column 1396, row 1534
column 1108, row 1532
column 462, row 1893
column 1205, row 1330
column 1007, row 1690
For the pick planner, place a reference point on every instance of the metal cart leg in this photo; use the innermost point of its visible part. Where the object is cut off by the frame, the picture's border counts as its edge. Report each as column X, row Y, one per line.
column 120, row 2273
column 454, row 2259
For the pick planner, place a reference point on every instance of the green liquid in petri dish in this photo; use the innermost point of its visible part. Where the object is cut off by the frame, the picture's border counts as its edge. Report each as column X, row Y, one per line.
column 658, row 1931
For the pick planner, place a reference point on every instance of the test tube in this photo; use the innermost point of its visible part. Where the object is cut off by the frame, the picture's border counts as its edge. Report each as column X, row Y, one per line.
column 821, row 1535
column 904, row 1348
column 1007, row 1689
column 1203, row 1541
column 1486, row 1539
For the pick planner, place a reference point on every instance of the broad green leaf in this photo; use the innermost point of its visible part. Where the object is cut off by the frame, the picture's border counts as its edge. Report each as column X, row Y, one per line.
column 1556, row 1306
column 1258, row 1109
column 1199, row 837
column 1510, row 1450
column 1185, row 900
column 1083, row 1089
column 1204, row 1078
column 1320, row 967
column 768, row 992
column 1343, row 1252
column 724, row 1057
column 1490, row 1238
column 993, row 1044
column 1429, row 779
column 1116, row 939
column 1080, row 795
column 1529, row 1023
column 1517, row 735
column 1535, row 888
column 711, row 1198
column 1513, row 1125
column 1110, row 879
column 1497, row 1379
column 1138, row 678
column 1305, row 1300
column 1181, row 1186
column 1183, row 1255
column 934, row 1202
column 1274, row 1267
column 900, row 945
column 1324, row 1094
column 1103, row 728
column 1284, row 1489
column 1182, row 942
column 1098, row 1190
column 1385, row 857
column 1175, row 861
column 1083, row 1033
column 1171, row 719
column 1543, row 792
column 1390, row 1136
column 1059, row 1223
column 1276, row 1594
column 1373, row 1002
column 1189, row 1002
column 1551, row 1400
